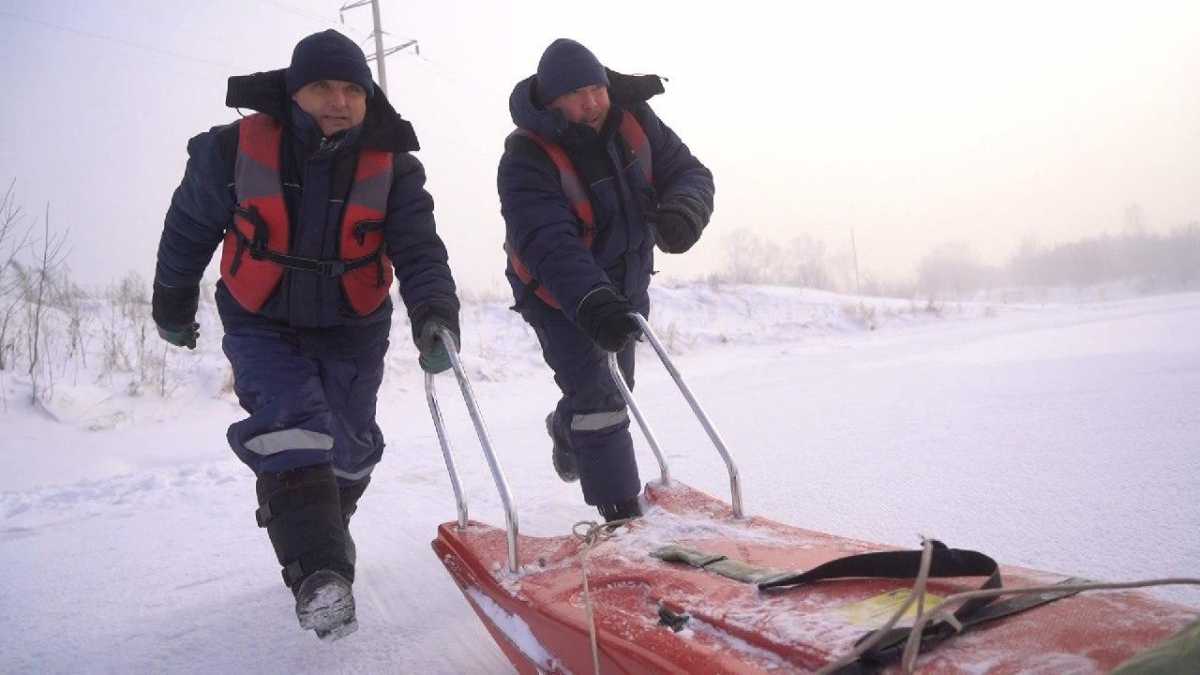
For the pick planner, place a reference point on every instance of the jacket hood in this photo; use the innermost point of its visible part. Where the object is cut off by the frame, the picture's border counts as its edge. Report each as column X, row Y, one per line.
column 623, row 90
column 528, row 115
column 266, row 92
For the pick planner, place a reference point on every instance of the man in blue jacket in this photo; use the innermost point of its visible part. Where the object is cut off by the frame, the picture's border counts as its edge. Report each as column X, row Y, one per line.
column 318, row 205
column 591, row 180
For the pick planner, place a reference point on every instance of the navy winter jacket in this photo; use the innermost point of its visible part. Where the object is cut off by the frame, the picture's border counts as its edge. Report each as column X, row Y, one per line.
column 540, row 226
column 317, row 174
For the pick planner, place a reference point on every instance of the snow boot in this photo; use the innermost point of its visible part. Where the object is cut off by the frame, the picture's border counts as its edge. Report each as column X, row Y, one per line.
column 302, row 513
column 562, row 455
column 626, row 508
column 325, row 604
column 348, row 495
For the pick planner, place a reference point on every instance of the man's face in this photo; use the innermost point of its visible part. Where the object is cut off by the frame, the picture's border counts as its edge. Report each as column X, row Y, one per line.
column 334, row 104
column 586, row 105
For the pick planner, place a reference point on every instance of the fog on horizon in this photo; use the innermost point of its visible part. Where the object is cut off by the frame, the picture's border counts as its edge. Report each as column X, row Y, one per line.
column 975, row 124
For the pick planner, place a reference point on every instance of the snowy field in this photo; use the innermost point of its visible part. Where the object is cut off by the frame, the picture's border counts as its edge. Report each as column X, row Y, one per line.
column 1064, row 437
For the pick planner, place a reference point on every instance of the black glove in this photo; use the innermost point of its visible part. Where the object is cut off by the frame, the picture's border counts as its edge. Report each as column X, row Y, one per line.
column 426, row 322
column 604, row 316
column 185, row 336
column 674, row 232
column 174, row 313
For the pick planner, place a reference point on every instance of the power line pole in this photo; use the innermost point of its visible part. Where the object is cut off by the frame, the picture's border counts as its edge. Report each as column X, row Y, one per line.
column 380, row 63
column 854, row 251
column 380, row 53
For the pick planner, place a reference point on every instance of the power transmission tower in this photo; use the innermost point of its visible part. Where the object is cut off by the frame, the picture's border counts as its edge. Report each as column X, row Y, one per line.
column 380, row 53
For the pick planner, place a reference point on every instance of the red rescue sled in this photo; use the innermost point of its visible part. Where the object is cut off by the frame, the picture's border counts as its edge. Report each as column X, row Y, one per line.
column 655, row 616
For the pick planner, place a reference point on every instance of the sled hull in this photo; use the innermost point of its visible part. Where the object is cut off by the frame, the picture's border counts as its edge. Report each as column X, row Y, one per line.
column 538, row 616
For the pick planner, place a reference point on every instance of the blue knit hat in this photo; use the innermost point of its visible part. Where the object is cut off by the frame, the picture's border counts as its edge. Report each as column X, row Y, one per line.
column 328, row 55
column 566, row 66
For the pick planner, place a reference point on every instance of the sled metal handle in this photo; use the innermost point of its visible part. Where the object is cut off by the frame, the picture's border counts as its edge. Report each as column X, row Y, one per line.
column 510, row 510
column 619, row 378
column 439, row 424
column 735, row 482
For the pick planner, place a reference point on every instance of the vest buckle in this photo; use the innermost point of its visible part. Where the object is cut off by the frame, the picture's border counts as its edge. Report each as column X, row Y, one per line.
column 331, row 268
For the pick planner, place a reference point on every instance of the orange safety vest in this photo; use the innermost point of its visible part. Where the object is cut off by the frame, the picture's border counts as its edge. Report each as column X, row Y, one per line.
column 577, row 197
column 261, row 228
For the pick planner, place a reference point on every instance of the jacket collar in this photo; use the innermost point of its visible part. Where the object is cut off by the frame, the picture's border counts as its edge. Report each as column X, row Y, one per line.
column 624, row 91
column 382, row 129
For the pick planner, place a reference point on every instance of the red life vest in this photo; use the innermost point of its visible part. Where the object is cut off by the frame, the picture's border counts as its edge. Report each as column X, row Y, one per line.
column 261, row 228
column 576, row 193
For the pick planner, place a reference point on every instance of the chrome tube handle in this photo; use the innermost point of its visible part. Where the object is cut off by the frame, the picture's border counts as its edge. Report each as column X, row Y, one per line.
column 735, row 483
column 439, row 424
column 615, row 369
column 510, row 510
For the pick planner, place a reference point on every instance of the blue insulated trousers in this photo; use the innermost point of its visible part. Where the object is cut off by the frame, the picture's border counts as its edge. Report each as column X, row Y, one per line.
column 306, row 405
column 591, row 406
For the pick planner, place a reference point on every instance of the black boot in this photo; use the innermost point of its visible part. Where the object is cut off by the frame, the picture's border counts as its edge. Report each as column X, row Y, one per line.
column 325, row 604
column 562, row 455
column 303, row 516
column 348, row 495
column 626, row 508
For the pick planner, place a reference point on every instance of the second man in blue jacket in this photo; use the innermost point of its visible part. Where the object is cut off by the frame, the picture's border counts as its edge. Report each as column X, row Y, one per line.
column 589, row 183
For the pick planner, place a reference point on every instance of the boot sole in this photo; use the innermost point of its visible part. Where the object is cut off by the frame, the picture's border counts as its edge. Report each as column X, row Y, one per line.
column 328, row 610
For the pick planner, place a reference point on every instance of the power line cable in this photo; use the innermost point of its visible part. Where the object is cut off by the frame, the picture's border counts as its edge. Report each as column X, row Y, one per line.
column 457, row 77
column 117, row 40
column 299, row 12
column 323, row 19
column 438, row 70
column 327, row 20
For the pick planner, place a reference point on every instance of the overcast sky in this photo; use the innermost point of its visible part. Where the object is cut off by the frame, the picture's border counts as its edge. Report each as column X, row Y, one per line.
column 913, row 123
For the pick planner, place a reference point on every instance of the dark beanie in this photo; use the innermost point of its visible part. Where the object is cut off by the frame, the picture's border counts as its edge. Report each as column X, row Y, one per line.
column 566, row 66
column 328, row 55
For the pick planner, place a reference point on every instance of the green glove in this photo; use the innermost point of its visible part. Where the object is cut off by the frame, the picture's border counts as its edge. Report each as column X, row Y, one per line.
column 434, row 358
column 180, row 337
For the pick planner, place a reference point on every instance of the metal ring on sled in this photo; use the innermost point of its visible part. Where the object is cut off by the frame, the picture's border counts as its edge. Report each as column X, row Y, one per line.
column 510, row 510
column 735, row 483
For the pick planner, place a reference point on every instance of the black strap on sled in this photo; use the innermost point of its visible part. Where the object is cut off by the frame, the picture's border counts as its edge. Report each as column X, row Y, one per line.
column 944, row 562
column 257, row 246
column 891, row 647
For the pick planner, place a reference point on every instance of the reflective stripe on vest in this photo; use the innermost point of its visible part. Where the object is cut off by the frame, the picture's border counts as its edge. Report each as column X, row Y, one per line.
column 255, row 251
column 576, row 193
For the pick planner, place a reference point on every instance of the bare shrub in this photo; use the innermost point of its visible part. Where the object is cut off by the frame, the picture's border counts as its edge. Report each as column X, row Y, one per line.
column 129, row 297
column 49, row 257
column 863, row 314
column 749, row 258
column 13, row 240
column 113, row 355
column 805, row 265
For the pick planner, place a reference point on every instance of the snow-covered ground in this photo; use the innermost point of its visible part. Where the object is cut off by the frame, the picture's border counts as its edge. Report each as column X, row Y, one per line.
column 1063, row 437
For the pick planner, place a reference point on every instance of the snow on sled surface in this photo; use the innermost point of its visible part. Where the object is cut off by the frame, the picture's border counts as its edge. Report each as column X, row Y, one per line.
column 538, row 615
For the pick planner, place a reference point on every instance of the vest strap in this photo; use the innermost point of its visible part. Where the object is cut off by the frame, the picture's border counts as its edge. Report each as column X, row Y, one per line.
column 638, row 145
column 261, row 226
column 329, row 268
